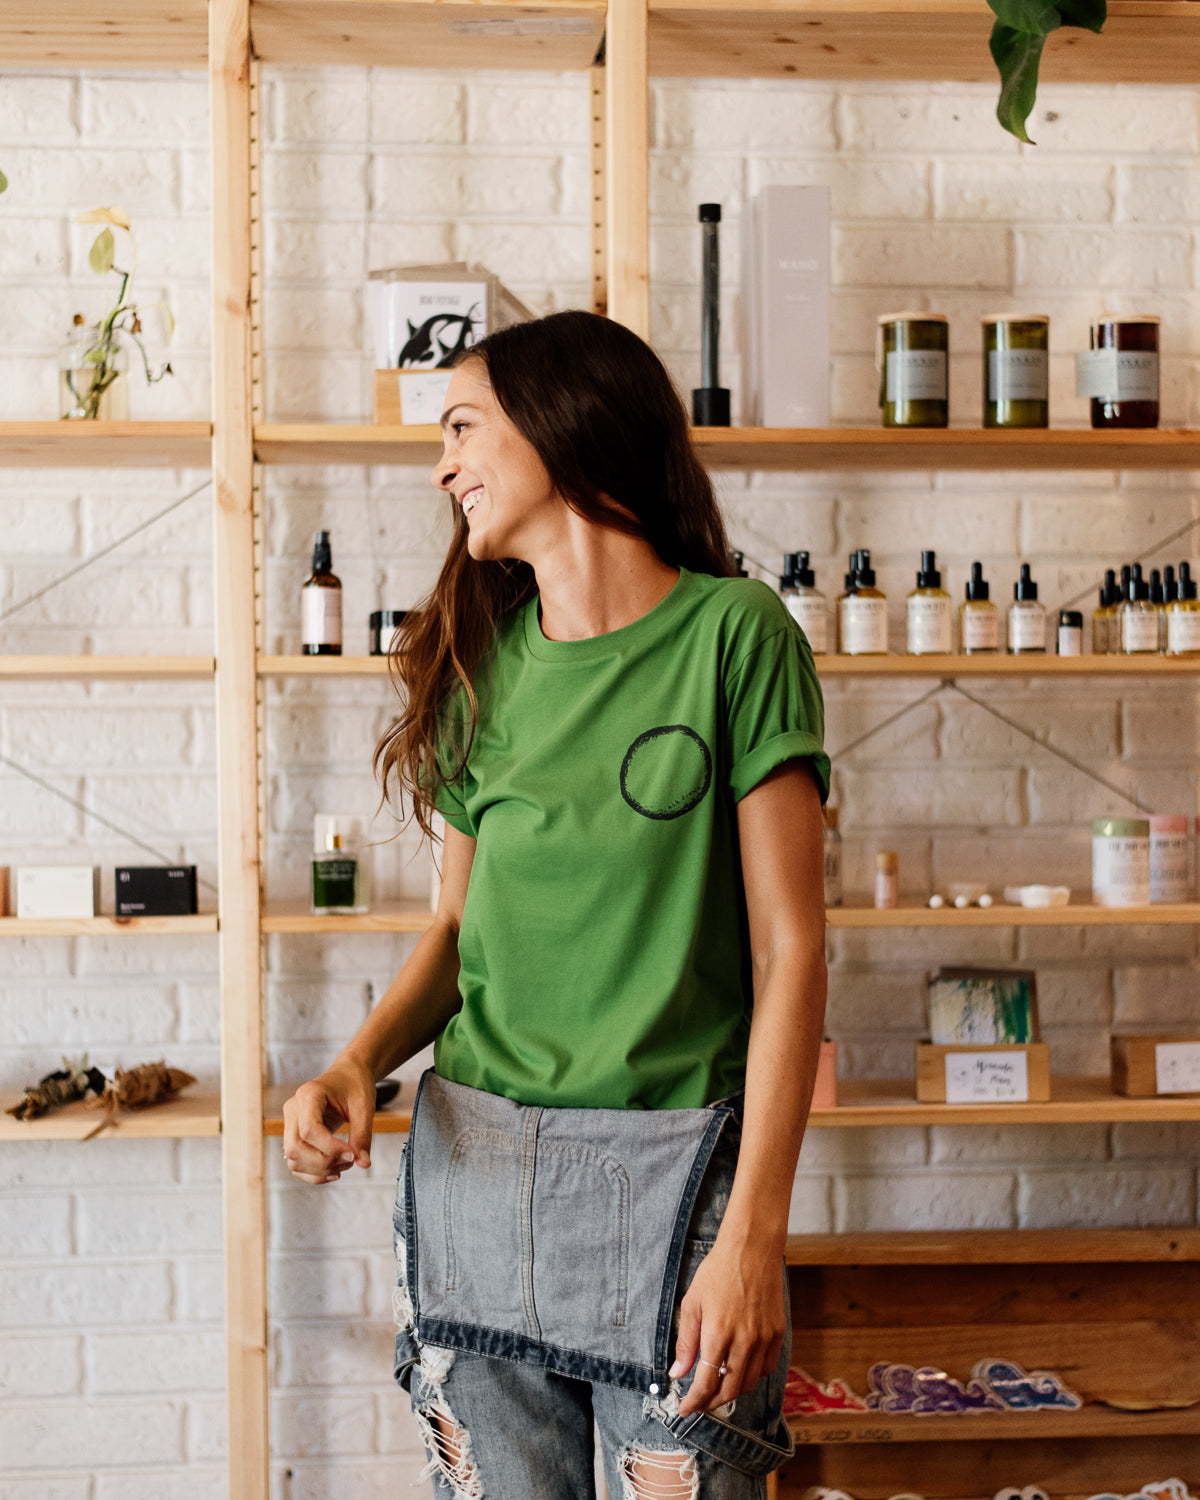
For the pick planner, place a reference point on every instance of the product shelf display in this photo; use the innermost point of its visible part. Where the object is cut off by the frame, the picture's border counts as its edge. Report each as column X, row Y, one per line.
column 384, row 916
column 195, row 1113
column 202, row 922
column 29, row 668
column 126, row 445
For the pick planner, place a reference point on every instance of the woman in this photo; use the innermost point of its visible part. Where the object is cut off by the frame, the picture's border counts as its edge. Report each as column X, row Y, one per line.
column 625, row 743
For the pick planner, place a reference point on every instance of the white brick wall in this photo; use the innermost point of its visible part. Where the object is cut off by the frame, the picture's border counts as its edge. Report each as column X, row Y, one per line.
column 110, row 1278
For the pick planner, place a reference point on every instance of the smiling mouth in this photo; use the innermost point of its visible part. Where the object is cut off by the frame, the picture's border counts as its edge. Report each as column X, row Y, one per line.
column 470, row 500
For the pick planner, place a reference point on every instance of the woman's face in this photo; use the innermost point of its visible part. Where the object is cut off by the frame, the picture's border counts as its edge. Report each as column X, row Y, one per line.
column 494, row 474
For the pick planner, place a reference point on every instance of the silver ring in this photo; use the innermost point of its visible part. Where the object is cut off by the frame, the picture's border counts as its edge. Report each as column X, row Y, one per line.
column 721, row 1369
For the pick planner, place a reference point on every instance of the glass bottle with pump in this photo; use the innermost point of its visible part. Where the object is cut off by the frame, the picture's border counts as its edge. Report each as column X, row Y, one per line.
column 1026, row 617
column 1104, row 616
column 862, row 610
column 805, row 602
column 978, row 617
column 1183, row 616
column 1138, row 617
column 339, row 872
column 929, row 613
column 321, row 604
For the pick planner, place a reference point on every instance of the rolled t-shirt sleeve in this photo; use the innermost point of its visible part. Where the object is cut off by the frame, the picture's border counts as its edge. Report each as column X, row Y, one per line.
column 776, row 712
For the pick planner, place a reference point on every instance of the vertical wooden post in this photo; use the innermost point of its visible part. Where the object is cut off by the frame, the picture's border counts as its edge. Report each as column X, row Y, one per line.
column 597, row 128
column 628, row 184
column 241, row 968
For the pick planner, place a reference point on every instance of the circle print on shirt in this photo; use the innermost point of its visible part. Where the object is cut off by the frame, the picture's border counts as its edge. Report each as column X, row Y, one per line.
column 666, row 772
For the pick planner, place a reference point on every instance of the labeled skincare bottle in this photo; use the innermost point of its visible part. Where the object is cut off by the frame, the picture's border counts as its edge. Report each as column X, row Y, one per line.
column 887, row 879
column 929, row 613
column 339, row 873
column 1026, row 617
column 978, row 617
column 805, row 603
column 862, row 611
column 1183, row 616
column 1105, row 615
column 321, row 604
column 1138, row 617
column 1166, row 595
column 1070, row 632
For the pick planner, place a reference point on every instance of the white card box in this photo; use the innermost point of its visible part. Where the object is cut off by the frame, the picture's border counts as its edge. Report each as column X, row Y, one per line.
column 785, row 307
column 57, row 891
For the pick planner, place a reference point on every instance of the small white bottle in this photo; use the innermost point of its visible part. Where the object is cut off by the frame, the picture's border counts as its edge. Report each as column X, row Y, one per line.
column 1026, row 617
column 862, row 610
column 929, row 613
column 805, row 602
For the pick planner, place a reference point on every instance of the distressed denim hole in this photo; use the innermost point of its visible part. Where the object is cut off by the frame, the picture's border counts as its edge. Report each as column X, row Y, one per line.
column 648, row 1474
column 449, row 1448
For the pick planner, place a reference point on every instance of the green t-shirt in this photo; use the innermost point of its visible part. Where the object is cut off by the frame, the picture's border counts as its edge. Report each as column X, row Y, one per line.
column 604, row 945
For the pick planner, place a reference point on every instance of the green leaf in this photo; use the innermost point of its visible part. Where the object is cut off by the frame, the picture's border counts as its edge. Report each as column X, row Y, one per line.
column 1089, row 15
column 100, row 257
column 3, row 182
column 1016, row 54
column 94, row 357
column 1036, row 16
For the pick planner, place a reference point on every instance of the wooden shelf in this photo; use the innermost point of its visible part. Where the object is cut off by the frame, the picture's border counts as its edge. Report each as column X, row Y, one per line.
column 786, row 448
column 31, row 668
column 893, row 40
column 194, row 1113
column 1088, row 1422
column 117, row 445
column 394, row 1120
column 1082, row 914
column 205, row 921
column 81, row 34
column 1123, row 667
column 1073, row 1101
column 396, row 916
column 322, row 666
column 553, row 34
column 999, row 1247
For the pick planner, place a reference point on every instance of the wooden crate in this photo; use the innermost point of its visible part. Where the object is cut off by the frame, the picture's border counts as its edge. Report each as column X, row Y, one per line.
column 409, row 398
column 1135, row 1064
column 932, row 1081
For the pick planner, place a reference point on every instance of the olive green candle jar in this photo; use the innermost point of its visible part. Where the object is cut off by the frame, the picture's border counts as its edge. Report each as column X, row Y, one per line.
column 913, row 355
column 1016, row 370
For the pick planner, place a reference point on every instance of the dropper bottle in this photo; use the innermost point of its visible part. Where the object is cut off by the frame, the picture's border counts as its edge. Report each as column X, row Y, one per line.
column 978, row 617
column 1160, row 597
column 805, row 602
column 862, row 611
column 1026, row 617
column 929, row 613
column 1138, row 617
column 1104, row 616
column 1183, row 616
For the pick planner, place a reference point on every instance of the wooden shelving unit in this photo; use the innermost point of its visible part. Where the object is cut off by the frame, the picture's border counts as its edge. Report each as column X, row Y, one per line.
column 205, row 921
column 194, row 1113
column 94, row 445
column 1155, row 41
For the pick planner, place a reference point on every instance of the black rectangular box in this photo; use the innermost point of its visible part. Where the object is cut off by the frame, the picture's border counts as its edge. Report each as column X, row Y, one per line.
column 156, row 890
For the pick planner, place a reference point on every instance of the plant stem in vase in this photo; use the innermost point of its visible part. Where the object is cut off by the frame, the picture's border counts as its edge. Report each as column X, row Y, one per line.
column 92, row 382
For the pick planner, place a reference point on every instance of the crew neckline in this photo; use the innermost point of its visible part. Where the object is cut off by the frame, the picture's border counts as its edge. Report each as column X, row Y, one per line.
column 612, row 641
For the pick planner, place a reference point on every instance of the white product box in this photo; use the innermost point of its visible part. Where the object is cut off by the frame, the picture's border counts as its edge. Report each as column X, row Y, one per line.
column 57, row 890
column 422, row 316
column 785, row 308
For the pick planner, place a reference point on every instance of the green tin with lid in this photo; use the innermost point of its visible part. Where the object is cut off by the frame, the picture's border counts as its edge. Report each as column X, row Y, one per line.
column 1016, row 370
column 912, row 353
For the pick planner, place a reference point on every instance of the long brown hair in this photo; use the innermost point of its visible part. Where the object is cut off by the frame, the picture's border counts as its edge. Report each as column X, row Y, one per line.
column 599, row 409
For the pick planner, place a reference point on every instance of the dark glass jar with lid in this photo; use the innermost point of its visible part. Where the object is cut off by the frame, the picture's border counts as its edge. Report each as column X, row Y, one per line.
column 913, row 355
column 1133, row 402
column 1016, row 370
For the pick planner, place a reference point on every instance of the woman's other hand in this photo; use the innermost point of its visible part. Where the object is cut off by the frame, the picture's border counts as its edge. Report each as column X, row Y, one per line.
column 731, row 1315
column 345, row 1094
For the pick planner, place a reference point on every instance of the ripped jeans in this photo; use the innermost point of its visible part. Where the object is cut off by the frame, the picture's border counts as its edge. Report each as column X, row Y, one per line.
column 526, row 1433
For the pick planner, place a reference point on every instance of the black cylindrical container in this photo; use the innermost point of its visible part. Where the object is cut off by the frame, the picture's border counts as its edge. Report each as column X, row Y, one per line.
column 1135, row 403
column 383, row 627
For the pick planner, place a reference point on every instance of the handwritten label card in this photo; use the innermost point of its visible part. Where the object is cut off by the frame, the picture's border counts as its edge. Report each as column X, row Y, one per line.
column 987, row 1077
column 1177, row 1067
column 422, row 395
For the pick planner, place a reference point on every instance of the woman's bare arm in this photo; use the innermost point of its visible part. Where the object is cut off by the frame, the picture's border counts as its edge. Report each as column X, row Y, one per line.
column 412, row 1013
column 733, row 1313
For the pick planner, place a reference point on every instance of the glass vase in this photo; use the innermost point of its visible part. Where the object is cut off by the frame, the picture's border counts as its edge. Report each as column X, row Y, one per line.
column 93, row 379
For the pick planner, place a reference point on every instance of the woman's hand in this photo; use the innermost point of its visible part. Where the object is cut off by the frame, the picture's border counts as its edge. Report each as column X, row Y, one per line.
column 731, row 1315
column 346, row 1093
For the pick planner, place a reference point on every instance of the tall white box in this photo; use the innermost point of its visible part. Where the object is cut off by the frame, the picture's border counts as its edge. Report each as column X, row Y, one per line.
column 785, row 305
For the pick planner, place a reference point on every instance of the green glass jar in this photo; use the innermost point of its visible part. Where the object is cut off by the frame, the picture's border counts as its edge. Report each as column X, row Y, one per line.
column 1016, row 370
column 913, row 356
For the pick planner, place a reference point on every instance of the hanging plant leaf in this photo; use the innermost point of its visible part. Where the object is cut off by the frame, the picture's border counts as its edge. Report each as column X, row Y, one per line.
column 100, row 257
column 3, row 182
column 1018, row 37
column 115, row 216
